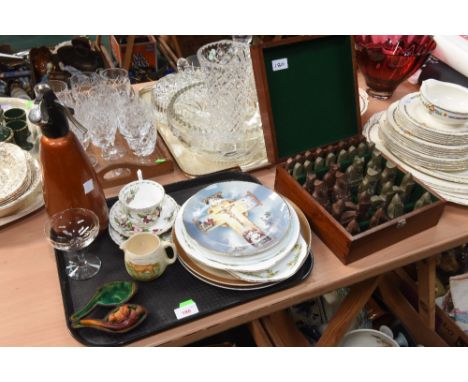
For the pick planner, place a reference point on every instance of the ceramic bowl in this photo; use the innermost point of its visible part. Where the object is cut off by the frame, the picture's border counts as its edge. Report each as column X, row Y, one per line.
column 140, row 199
column 367, row 338
column 445, row 102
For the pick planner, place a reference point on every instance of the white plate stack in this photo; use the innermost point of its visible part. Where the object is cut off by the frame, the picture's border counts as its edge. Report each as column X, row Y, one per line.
column 241, row 235
column 426, row 142
column 20, row 182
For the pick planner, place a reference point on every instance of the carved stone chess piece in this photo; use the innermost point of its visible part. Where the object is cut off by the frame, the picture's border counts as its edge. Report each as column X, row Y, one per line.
column 353, row 227
column 378, row 218
column 298, row 171
column 308, row 166
column 347, row 216
column 370, row 181
column 387, row 192
column 299, row 158
column 363, row 206
column 362, row 149
column 321, row 194
column 407, row 185
column 354, row 176
column 309, row 155
column 319, row 164
column 329, row 177
column 377, row 202
column 337, row 209
column 330, row 159
column 395, row 208
column 289, row 165
column 389, row 173
column 359, row 163
column 376, row 161
column 352, row 152
column 424, row 200
column 341, row 188
column 309, row 183
column 343, row 157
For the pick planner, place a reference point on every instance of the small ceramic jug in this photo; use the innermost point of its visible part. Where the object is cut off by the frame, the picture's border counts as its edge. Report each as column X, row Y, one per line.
column 146, row 257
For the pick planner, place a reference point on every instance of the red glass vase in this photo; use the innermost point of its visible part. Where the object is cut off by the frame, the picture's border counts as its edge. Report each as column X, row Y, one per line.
column 386, row 61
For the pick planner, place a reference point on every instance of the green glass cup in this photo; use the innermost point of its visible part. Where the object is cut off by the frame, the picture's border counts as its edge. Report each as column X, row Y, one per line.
column 21, row 132
column 14, row 114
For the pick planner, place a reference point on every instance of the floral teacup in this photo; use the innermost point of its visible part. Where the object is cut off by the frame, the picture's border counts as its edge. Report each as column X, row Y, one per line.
column 142, row 201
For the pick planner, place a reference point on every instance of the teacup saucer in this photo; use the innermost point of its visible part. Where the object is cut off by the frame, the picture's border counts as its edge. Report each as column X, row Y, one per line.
column 121, row 223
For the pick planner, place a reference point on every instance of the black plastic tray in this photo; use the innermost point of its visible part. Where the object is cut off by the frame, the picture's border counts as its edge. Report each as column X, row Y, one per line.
column 163, row 295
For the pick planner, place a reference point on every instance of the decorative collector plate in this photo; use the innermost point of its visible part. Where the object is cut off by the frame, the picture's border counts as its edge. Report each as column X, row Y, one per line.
column 236, row 218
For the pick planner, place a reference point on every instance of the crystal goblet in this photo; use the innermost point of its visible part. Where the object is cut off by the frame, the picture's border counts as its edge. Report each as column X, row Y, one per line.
column 72, row 231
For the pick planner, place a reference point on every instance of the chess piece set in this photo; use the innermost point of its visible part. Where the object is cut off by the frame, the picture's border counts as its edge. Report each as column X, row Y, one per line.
column 356, row 184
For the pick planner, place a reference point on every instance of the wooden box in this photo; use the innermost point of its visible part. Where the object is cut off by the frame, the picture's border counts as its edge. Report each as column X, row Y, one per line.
column 308, row 98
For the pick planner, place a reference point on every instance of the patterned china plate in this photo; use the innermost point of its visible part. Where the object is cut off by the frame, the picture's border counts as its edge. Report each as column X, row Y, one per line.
column 236, row 218
column 120, row 222
column 26, row 203
column 399, row 131
column 256, row 263
column 282, row 270
column 414, row 111
column 13, row 170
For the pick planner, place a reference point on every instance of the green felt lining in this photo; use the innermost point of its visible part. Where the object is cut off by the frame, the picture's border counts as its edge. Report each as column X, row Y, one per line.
column 313, row 101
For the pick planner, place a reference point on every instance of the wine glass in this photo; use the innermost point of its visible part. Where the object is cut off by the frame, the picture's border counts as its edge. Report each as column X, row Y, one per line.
column 72, row 231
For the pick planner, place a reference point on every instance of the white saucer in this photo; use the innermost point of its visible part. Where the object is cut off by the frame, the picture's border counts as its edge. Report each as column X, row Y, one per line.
column 120, row 222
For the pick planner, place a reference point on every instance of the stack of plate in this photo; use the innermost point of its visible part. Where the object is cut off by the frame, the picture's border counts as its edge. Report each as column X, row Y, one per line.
column 241, row 235
column 20, row 179
column 411, row 133
column 432, row 168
